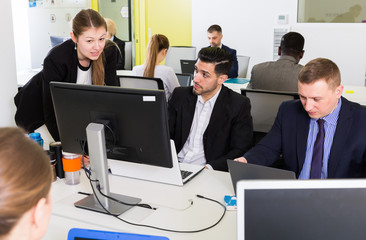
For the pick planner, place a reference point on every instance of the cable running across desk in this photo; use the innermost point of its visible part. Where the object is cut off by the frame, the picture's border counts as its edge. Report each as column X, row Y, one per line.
column 88, row 173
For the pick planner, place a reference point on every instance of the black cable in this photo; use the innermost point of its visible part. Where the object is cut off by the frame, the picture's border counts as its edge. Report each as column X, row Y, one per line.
column 144, row 205
column 88, row 175
column 172, row 230
column 143, row 225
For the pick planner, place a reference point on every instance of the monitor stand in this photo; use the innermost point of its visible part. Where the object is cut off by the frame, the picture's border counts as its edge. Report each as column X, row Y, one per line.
column 99, row 171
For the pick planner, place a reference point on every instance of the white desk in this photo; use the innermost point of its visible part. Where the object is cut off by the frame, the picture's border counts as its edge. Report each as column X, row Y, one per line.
column 355, row 94
column 236, row 84
column 167, row 198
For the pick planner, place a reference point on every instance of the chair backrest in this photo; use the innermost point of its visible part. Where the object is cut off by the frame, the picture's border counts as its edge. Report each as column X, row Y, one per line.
column 128, row 55
column 140, row 82
column 184, row 80
column 243, row 62
column 176, row 53
column 264, row 106
column 56, row 40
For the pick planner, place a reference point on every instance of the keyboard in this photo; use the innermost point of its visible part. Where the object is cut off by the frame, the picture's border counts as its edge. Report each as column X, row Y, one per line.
column 185, row 173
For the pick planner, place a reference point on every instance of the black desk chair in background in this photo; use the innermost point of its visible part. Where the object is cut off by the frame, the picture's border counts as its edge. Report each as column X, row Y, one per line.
column 184, row 79
column 264, row 109
column 140, row 82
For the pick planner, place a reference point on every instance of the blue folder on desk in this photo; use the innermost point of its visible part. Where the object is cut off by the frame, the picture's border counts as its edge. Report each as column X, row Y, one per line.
column 237, row 80
column 86, row 234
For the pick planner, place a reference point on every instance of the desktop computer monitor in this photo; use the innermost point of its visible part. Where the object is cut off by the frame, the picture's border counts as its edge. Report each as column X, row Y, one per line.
column 136, row 130
column 301, row 209
column 135, row 121
column 127, row 125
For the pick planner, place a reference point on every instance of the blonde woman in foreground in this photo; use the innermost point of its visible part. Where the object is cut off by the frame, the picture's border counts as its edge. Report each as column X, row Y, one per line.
column 25, row 182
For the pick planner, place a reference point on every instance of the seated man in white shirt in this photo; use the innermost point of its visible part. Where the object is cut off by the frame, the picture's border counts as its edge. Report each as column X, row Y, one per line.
column 209, row 122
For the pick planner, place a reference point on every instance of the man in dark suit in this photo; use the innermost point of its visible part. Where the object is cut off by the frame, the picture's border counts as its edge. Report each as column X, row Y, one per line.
column 208, row 122
column 296, row 129
column 111, row 35
column 214, row 34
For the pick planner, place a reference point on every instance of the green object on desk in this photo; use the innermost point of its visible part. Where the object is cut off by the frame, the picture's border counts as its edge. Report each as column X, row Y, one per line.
column 237, row 80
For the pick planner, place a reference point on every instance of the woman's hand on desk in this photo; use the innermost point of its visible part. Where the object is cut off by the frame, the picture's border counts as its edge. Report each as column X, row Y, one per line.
column 241, row 159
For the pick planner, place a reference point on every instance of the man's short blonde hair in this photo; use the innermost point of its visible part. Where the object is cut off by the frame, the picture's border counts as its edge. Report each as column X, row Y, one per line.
column 111, row 26
column 321, row 68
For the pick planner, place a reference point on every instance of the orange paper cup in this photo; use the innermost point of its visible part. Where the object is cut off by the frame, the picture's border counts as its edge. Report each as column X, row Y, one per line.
column 72, row 165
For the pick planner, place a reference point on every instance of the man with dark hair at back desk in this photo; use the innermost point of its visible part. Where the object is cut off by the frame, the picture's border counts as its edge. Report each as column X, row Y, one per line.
column 322, row 135
column 281, row 75
column 209, row 122
column 214, row 34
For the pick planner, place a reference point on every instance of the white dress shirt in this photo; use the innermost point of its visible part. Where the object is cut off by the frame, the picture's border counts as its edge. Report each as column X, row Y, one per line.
column 192, row 151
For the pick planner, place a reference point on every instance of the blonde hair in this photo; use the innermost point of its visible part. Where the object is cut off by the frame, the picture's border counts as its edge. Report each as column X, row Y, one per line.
column 321, row 68
column 84, row 20
column 157, row 43
column 25, row 176
column 111, row 26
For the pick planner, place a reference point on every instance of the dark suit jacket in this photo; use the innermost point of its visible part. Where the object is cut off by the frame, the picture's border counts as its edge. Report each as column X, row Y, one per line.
column 120, row 53
column 230, row 129
column 234, row 69
column 289, row 133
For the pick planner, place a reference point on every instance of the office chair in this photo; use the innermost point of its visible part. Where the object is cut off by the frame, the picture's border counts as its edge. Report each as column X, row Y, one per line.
column 243, row 62
column 185, row 80
column 56, row 40
column 175, row 53
column 140, row 82
column 264, row 108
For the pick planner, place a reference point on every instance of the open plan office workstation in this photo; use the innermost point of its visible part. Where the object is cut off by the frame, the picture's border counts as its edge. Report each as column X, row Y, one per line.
column 177, row 207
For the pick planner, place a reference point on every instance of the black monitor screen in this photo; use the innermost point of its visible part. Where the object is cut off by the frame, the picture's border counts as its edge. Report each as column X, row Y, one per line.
column 135, row 121
column 304, row 214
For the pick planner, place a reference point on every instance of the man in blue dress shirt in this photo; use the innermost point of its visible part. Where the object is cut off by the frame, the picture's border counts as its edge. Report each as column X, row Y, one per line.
column 214, row 34
column 295, row 129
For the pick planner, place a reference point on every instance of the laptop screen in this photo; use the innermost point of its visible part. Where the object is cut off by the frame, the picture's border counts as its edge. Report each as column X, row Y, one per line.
column 88, row 234
column 240, row 171
column 187, row 66
column 301, row 209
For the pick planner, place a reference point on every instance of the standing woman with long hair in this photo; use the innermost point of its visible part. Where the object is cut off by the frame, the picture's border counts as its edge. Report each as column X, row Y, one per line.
column 87, row 58
column 25, row 182
column 156, row 53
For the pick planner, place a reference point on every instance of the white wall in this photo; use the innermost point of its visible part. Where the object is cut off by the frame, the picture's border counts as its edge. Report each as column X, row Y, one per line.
column 8, row 82
column 21, row 35
column 248, row 27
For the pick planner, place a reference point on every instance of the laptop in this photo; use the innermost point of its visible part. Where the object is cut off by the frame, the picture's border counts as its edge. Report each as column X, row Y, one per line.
column 88, row 234
column 239, row 171
column 187, row 66
column 301, row 209
column 179, row 174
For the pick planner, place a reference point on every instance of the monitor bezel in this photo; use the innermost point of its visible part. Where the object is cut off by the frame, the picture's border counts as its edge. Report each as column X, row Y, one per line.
column 157, row 96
